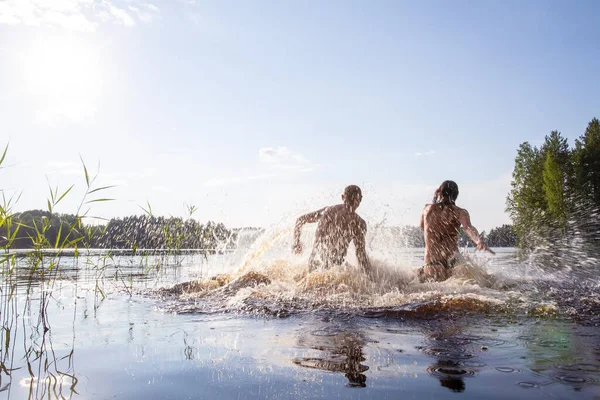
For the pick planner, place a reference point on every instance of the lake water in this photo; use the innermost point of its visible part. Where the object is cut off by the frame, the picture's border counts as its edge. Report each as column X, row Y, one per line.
column 124, row 327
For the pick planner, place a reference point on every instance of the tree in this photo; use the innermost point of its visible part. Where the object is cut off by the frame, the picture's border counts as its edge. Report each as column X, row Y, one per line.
column 557, row 178
column 526, row 203
column 554, row 189
column 586, row 159
column 42, row 229
column 503, row 236
column 537, row 202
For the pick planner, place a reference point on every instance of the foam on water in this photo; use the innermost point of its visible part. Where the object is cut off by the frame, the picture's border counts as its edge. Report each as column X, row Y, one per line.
column 265, row 277
column 269, row 278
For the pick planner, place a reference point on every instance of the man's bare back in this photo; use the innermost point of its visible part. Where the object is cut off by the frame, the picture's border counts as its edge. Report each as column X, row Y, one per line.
column 337, row 226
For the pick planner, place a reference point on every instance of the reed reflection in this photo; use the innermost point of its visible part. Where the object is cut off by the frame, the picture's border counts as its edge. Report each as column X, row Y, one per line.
column 340, row 351
column 30, row 365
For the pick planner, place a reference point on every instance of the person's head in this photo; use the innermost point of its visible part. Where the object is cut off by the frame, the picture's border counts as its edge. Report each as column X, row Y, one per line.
column 446, row 194
column 352, row 196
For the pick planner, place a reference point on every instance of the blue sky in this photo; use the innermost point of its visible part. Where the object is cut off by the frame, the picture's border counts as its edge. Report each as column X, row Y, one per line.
column 257, row 111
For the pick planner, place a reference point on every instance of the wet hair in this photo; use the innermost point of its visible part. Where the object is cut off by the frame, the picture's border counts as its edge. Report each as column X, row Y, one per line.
column 446, row 194
column 351, row 193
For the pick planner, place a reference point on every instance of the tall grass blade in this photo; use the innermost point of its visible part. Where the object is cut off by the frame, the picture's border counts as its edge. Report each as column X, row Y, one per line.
column 7, row 343
column 58, row 235
column 73, row 242
column 63, row 195
column 4, row 154
column 97, row 200
column 101, row 188
column 87, row 176
column 147, row 211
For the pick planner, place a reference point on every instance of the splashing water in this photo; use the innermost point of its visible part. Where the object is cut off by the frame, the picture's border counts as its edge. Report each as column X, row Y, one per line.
column 264, row 277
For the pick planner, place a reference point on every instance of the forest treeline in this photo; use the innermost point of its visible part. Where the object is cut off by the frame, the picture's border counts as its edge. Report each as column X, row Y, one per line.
column 503, row 236
column 42, row 229
column 555, row 191
column 554, row 196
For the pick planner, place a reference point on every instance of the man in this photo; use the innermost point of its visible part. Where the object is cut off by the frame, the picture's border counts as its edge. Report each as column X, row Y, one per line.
column 337, row 226
column 441, row 222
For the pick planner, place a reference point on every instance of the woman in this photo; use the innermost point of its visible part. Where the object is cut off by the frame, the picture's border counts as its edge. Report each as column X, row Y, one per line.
column 441, row 222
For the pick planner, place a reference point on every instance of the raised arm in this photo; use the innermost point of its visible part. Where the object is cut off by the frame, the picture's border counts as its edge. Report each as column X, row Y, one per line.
column 360, row 244
column 304, row 219
column 471, row 231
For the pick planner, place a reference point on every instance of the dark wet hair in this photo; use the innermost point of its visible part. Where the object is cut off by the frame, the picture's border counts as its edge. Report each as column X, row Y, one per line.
column 351, row 193
column 446, row 194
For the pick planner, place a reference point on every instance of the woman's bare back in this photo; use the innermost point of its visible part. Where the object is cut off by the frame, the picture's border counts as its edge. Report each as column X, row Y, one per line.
column 441, row 226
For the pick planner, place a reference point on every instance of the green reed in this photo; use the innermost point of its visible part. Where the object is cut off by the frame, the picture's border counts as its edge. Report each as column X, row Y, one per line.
column 28, row 278
column 36, row 270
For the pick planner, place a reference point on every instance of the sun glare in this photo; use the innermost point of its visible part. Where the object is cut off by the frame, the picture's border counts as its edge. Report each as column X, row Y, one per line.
column 63, row 77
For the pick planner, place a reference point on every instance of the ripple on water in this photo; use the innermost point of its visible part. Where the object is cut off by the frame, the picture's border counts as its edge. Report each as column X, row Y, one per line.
column 585, row 377
column 459, row 354
column 447, row 370
column 561, row 343
column 571, row 379
column 472, row 364
column 507, row 370
column 458, row 341
column 528, row 338
column 581, row 367
column 501, row 344
column 587, row 334
column 328, row 364
column 466, row 339
column 528, row 385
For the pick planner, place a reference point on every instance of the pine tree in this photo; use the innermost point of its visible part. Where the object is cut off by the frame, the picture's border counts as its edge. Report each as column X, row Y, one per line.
column 587, row 163
column 554, row 189
column 526, row 202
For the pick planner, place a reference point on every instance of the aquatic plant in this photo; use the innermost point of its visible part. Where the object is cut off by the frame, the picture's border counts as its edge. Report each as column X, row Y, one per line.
column 38, row 269
column 41, row 247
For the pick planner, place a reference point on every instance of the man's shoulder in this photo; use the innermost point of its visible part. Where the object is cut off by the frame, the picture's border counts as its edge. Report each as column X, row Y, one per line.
column 361, row 222
column 332, row 209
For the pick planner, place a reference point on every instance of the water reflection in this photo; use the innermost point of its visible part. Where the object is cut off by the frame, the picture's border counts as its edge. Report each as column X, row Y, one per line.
column 562, row 353
column 401, row 352
column 454, row 354
column 337, row 351
column 27, row 352
column 450, row 375
column 40, row 309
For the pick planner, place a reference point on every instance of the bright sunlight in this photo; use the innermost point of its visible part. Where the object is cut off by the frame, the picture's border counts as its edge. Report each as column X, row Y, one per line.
column 63, row 77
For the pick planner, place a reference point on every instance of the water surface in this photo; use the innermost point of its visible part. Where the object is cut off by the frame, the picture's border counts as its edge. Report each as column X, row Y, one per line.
column 122, row 327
